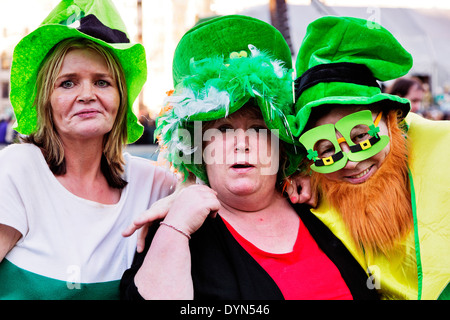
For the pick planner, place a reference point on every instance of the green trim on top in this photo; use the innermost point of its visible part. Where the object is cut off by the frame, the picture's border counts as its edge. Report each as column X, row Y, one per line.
column 20, row 284
column 445, row 294
column 416, row 237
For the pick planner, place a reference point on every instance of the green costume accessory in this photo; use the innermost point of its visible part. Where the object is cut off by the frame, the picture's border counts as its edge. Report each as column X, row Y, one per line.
column 358, row 130
column 218, row 66
column 339, row 63
column 98, row 21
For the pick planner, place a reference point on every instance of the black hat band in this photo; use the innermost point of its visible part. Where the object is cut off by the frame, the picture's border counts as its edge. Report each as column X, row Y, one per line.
column 335, row 72
column 93, row 27
column 90, row 25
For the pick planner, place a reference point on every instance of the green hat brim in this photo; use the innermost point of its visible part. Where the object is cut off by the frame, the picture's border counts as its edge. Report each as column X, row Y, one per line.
column 31, row 52
column 383, row 100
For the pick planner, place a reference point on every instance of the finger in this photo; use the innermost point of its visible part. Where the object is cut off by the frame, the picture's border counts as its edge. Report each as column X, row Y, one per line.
column 131, row 229
column 214, row 208
column 200, row 188
column 157, row 211
column 150, row 215
column 291, row 190
column 142, row 234
column 305, row 191
column 211, row 205
column 213, row 214
column 305, row 196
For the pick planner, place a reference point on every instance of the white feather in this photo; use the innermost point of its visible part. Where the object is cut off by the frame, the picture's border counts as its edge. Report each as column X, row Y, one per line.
column 278, row 68
column 186, row 104
column 254, row 51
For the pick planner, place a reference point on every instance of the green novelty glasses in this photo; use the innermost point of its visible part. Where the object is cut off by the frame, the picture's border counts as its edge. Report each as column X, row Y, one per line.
column 358, row 130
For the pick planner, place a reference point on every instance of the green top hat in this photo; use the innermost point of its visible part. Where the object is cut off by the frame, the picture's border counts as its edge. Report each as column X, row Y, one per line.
column 98, row 21
column 218, row 66
column 339, row 63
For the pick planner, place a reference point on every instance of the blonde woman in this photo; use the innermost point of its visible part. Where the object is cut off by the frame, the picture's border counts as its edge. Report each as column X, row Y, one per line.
column 68, row 191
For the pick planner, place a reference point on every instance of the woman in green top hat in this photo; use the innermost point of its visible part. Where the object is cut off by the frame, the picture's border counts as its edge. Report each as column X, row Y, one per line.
column 382, row 179
column 69, row 190
column 237, row 237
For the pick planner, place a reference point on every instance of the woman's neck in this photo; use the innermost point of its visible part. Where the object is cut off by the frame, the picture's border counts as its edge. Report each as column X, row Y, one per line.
column 271, row 226
column 83, row 159
column 252, row 205
column 83, row 176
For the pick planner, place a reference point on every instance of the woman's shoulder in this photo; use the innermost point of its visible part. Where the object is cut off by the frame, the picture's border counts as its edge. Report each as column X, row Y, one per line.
column 19, row 149
column 138, row 168
column 19, row 154
column 21, row 163
column 142, row 165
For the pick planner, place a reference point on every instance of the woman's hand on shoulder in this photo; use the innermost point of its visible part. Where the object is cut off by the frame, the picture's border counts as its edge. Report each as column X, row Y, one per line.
column 157, row 211
column 192, row 206
column 197, row 196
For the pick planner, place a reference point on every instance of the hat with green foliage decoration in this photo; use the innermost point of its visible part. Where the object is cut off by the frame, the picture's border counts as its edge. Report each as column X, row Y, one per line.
column 218, row 66
column 339, row 63
column 96, row 20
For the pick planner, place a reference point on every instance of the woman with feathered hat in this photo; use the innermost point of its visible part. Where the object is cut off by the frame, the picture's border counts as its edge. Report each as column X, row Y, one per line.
column 237, row 237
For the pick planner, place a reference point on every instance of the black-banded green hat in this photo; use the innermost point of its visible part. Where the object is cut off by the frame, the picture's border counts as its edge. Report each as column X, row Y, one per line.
column 340, row 62
column 97, row 20
column 218, row 66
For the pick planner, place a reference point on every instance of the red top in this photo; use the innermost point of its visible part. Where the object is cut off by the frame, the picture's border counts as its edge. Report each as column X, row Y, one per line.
column 306, row 273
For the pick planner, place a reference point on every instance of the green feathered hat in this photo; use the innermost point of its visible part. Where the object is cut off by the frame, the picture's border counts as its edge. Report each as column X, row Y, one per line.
column 339, row 63
column 218, row 66
column 96, row 20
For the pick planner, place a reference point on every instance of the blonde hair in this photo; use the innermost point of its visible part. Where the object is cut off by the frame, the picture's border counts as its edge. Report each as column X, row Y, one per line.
column 46, row 136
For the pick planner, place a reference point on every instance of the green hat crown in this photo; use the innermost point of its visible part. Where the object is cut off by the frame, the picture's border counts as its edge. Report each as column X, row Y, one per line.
column 218, row 66
column 96, row 20
column 339, row 63
column 240, row 57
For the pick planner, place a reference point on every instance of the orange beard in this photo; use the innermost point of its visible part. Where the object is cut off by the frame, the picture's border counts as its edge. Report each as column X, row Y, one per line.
column 377, row 212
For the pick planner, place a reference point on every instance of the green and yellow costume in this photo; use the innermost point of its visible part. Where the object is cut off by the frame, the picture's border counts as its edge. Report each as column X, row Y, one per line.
column 339, row 64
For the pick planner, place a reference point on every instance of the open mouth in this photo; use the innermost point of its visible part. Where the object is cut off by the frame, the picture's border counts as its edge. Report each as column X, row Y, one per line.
column 241, row 166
